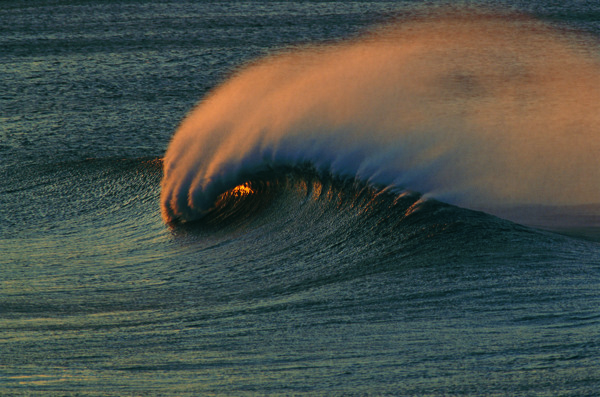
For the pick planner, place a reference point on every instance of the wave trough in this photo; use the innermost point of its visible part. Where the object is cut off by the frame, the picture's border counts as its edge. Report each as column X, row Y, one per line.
column 476, row 109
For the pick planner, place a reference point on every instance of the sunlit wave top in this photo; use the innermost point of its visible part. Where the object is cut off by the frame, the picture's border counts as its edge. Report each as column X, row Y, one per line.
column 475, row 108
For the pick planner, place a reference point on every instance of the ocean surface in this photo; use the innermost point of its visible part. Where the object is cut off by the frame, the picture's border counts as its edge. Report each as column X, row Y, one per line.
column 305, row 197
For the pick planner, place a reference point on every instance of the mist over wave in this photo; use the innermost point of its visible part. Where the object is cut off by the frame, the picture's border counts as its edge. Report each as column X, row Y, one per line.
column 474, row 108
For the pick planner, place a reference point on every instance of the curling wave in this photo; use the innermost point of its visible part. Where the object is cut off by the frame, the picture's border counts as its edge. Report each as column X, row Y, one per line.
column 291, row 189
column 477, row 109
column 302, row 202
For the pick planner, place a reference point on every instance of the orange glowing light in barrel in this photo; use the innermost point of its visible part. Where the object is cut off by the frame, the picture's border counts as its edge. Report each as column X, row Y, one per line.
column 242, row 190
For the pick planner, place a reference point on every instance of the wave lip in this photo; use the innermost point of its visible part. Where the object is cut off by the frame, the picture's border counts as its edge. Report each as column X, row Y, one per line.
column 474, row 108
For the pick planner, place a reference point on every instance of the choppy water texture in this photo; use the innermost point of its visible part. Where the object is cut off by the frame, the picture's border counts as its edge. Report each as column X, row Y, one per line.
column 330, row 203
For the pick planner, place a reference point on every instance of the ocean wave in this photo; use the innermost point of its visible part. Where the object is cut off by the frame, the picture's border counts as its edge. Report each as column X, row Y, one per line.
column 477, row 109
column 291, row 189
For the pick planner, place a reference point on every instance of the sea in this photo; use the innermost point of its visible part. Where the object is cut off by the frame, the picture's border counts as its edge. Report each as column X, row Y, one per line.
column 299, row 198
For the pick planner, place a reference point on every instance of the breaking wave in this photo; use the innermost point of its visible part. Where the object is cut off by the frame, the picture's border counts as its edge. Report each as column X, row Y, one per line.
column 478, row 109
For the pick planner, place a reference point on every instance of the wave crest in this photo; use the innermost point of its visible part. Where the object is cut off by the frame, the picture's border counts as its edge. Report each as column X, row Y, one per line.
column 473, row 108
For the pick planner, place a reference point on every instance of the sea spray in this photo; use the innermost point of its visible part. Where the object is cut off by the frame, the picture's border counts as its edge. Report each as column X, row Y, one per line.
column 477, row 109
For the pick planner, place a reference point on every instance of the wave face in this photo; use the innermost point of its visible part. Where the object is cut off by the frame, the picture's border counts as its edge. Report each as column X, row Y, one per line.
column 479, row 110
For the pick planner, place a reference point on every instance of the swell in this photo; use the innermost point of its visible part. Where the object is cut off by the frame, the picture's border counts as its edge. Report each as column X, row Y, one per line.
column 71, row 195
column 474, row 108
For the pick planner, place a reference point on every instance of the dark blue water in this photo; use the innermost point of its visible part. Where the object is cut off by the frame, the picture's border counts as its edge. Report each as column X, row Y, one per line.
column 305, row 280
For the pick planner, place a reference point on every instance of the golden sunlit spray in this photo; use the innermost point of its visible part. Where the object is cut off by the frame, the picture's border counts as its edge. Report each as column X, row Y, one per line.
column 475, row 108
